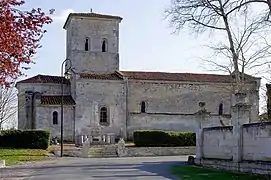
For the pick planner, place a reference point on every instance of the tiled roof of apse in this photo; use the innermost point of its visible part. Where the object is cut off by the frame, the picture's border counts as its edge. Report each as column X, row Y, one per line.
column 56, row 100
column 45, row 79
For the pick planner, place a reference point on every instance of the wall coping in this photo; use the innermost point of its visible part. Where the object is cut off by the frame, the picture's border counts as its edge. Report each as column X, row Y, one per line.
column 226, row 128
column 261, row 124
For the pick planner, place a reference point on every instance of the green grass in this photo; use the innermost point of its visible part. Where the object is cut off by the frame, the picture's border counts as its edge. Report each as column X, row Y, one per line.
column 13, row 156
column 198, row 173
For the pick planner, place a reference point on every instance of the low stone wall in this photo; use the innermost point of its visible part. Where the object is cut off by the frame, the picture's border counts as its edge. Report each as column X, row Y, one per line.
column 159, row 151
column 244, row 166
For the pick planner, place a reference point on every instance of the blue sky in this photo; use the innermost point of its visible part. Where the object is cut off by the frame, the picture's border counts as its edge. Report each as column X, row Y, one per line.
column 146, row 40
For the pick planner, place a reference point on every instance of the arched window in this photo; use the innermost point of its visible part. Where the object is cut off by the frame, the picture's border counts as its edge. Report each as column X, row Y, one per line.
column 220, row 110
column 55, row 118
column 86, row 44
column 143, row 107
column 104, row 45
column 103, row 115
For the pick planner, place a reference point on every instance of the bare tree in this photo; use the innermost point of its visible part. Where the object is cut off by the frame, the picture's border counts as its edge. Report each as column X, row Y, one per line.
column 234, row 21
column 8, row 105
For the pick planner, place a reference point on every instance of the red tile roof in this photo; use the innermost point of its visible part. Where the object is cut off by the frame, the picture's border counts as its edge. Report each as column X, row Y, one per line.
column 56, row 100
column 165, row 76
column 45, row 79
column 113, row 76
column 96, row 15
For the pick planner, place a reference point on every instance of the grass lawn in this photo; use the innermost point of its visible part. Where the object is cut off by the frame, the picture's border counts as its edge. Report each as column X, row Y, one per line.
column 197, row 173
column 13, row 156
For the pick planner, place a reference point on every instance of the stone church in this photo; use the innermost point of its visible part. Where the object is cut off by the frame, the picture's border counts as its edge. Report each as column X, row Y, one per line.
column 100, row 95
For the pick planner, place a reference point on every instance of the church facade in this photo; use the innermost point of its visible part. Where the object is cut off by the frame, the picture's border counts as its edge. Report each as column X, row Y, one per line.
column 99, row 94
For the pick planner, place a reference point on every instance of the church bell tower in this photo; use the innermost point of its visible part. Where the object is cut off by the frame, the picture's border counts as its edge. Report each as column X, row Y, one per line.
column 92, row 42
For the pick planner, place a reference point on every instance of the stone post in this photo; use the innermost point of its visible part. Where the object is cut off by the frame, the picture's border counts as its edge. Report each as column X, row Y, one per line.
column 2, row 163
column 201, row 116
column 240, row 115
column 85, row 148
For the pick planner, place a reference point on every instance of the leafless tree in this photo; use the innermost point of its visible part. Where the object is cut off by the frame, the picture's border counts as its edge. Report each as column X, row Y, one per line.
column 8, row 105
column 245, row 45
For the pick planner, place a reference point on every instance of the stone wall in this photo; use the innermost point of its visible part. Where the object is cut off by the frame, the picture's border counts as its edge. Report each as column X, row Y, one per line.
column 44, row 121
column 257, row 142
column 169, row 105
column 218, row 142
column 240, row 147
column 178, row 97
column 159, row 151
column 93, row 60
column 91, row 95
column 24, row 100
column 170, row 122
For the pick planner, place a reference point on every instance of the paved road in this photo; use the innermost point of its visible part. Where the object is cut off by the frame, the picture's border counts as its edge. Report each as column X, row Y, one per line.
column 156, row 168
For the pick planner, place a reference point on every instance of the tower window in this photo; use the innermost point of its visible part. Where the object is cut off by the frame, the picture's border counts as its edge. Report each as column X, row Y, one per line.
column 86, row 44
column 103, row 115
column 143, row 107
column 220, row 111
column 104, row 45
column 55, row 118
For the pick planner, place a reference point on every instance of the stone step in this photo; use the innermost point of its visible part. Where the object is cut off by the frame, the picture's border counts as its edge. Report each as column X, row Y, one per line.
column 107, row 151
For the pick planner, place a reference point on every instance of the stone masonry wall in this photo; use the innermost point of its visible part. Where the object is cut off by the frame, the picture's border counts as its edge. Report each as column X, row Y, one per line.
column 167, row 122
column 171, row 105
column 176, row 97
column 181, row 97
column 218, row 142
column 159, row 151
column 91, row 95
column 24, row 111
column 257, row 142
column 93, row 60
column 44, row 118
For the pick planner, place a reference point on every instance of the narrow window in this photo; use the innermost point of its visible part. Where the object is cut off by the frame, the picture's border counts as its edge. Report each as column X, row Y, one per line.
column 55, row 118
column 87, row 44
column 143, row 107
column 103, row 115
column 104, row 45
column 220, row 111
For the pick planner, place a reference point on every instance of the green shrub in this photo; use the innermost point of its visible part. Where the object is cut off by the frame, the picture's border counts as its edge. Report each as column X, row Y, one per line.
column 155, row 138
column 30, row 139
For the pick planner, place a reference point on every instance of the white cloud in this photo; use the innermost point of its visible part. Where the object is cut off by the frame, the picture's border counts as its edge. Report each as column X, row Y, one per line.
column 62, row 16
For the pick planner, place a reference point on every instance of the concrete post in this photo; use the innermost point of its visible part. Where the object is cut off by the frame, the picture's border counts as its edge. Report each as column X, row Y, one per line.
column 201, row 116
column 240, row 115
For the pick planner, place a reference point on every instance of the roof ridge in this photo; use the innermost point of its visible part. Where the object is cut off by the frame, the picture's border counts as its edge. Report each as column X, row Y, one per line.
column 174, row 73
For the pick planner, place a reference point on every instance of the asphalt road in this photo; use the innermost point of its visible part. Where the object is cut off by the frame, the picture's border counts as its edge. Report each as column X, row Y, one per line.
column 156, row 168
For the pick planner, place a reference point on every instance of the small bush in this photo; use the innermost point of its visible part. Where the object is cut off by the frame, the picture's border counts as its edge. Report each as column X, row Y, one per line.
column 30, row 139
column 155, row 138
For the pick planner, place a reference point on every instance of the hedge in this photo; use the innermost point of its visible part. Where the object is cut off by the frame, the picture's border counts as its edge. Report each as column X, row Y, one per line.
column 156, row 138
column 30, row 139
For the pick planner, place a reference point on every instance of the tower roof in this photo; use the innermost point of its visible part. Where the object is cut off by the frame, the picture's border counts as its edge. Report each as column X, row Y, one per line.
column 91, row 15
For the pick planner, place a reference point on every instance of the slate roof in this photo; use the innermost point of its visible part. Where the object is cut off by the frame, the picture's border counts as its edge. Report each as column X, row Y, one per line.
column 45, row 79
column 96, row 15
column 56, row 100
